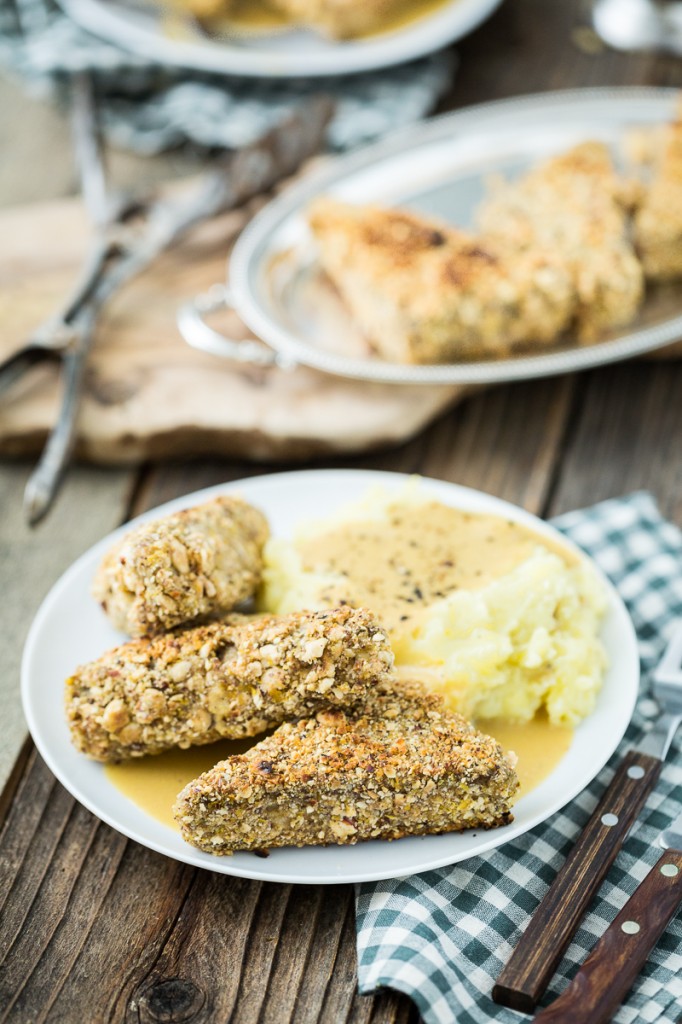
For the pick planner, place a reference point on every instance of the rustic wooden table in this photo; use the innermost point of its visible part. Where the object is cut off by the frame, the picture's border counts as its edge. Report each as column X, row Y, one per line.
column 94, row 927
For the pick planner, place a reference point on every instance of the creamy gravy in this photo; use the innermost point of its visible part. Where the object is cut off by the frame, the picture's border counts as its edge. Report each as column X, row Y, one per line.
column 421, row 555
column 152, row 783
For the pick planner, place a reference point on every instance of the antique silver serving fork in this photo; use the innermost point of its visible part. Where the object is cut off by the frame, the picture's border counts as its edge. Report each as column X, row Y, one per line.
column 125, row 243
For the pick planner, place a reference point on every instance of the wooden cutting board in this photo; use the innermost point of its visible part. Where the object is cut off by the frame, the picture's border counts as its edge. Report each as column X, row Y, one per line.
column 149, row 395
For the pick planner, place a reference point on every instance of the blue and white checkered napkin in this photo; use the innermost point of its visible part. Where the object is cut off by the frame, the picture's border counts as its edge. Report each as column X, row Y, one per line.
column 443, row 937
column 148, row 107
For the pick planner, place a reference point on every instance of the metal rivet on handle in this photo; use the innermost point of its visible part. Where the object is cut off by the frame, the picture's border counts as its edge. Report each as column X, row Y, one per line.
column 636, row 772
column 669, row 870
column 609, row 819
column 630, row 927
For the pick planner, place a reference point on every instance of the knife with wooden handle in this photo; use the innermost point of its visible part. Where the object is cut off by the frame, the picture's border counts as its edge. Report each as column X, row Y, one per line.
column 609, row 972
column 524, row 979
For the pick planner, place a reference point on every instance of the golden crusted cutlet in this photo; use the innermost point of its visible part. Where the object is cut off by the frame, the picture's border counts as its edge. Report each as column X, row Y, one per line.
column 199, row 562
column 409, row 767
column 574, row 206
column 423, row 292
column 207, row 8
column 658, row 220
column 228, row 679
column 338, row 18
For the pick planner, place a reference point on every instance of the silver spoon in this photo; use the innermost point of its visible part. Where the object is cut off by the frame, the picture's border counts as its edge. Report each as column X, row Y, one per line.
column 639, row 24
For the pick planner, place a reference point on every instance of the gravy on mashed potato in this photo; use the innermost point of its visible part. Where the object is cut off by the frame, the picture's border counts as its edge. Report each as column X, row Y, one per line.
column 499, row 619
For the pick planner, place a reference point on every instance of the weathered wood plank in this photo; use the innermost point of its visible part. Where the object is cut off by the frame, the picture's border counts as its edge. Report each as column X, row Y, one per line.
column 505, row 441
column 64, row 909
column 138, row 909
column 626, row 435
column 92, row 503
column 531, row 46
column 31, row 129
column 73, row 909
column 204, row 956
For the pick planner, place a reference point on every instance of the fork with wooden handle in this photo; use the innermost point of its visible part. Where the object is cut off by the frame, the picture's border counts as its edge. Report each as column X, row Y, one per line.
column 609, row 972
column 524, row 979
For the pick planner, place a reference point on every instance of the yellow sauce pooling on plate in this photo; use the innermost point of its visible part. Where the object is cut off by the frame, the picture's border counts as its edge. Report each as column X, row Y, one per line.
column 538, row 745
column 153, row 783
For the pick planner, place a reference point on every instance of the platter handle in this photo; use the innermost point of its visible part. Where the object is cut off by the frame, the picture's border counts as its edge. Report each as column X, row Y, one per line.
column 198, row 334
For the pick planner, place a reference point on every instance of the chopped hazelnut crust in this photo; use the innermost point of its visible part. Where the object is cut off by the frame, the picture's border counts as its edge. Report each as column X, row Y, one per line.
column 228, row 679
column 407, row 766
column 199, row 562
column 574, row 205
column 424, row 292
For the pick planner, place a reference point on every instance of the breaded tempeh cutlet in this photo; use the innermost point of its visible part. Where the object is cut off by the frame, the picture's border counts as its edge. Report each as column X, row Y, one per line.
column 574, row 205
column 658, row 220
column 424, row 292
column 201, row 561
column 228, row 679
column 338, row 18
column 406, row 767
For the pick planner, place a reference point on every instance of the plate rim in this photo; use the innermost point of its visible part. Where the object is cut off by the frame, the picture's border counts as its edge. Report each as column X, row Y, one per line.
column 476, row 118
column 226, row 865
column 413, row 41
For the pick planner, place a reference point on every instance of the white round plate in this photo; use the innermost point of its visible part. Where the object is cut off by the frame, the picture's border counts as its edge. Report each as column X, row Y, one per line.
column 70, row 629
column 138, row 26
column 440, row 168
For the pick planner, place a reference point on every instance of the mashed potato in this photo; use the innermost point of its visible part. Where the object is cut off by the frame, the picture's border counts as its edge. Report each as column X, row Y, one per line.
column 495, row 617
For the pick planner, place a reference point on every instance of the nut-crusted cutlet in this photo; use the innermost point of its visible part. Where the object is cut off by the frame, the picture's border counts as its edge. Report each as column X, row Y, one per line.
column 575, row 206
column 658, row 220
column 423, row 292
column 202, row 561
column 409, row 767
column 228, row 679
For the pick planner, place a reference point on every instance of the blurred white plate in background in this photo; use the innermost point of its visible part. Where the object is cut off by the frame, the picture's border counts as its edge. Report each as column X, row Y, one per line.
column 158, row 33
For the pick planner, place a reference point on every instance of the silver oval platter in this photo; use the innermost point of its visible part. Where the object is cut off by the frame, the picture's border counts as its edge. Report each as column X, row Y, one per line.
column 158, row 31
column 439, row 168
